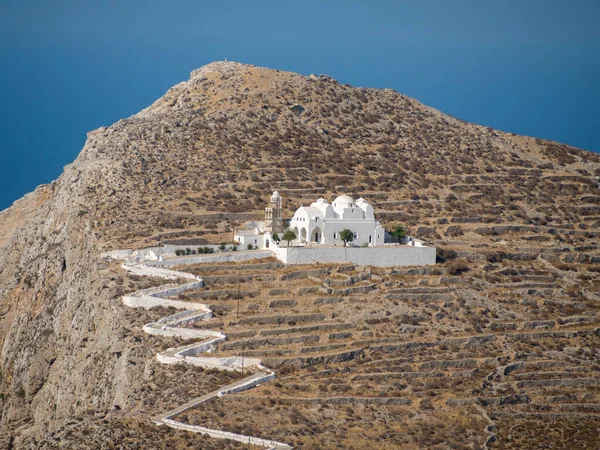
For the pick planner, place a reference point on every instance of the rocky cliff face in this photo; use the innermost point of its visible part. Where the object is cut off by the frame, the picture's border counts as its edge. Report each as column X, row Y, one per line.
column 202, row 158
column 59, row 326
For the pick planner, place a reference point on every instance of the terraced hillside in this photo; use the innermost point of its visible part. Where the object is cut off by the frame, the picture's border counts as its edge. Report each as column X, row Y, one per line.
column 213, row 148
column 407, row 358
column 497, row 341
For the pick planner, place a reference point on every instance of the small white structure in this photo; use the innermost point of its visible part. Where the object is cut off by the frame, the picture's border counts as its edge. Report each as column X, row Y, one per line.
column 252, row 237
column 321, row 222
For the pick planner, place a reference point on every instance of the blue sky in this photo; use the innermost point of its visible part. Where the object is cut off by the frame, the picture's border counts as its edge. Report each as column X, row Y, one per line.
column 530, row 66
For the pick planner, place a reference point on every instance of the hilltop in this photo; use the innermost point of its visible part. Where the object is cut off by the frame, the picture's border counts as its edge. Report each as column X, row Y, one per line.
column 517, row 221
column 233, row 133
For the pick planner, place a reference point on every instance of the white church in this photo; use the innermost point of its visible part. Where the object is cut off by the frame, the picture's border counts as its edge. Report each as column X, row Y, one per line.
column 321, row 222
column 317, row 228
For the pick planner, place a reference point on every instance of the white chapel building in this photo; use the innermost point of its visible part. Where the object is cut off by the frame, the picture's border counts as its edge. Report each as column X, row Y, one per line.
column 317, row 228
column 321, row 222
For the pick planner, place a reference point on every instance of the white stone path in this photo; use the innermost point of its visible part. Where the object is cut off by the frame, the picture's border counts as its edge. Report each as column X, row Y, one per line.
column 188, row 354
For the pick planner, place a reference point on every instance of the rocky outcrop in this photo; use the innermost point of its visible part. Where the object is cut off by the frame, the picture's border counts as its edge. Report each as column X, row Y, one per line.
column 287, row 303
column 64, row 345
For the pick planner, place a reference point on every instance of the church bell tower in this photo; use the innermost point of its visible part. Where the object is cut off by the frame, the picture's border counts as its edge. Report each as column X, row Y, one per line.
column 273, row 215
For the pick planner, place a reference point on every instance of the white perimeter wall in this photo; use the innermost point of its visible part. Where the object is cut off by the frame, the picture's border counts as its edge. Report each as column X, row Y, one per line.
column 363, row 256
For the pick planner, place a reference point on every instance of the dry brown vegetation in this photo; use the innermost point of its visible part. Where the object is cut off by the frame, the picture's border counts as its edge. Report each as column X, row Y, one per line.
column 408, row 358
column 130, row 434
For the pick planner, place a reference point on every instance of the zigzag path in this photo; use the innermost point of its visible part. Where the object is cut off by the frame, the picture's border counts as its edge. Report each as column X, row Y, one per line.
column 188, row 354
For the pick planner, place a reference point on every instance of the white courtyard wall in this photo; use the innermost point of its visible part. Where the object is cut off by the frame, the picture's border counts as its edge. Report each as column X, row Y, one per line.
column 364, row 256
column 156, row 253
column 281, row 252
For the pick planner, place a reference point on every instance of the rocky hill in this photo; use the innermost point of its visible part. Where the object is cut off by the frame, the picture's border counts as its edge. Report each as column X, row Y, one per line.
column 517, row 221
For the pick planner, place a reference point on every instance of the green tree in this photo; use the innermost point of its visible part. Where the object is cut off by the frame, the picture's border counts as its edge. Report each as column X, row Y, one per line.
column 289, row 236
column 399, row 233
column 346, row 236
column 276, row 238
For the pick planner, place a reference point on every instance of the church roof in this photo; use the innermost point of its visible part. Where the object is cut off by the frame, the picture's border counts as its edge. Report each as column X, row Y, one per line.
column 311, row 209
column 344, row 199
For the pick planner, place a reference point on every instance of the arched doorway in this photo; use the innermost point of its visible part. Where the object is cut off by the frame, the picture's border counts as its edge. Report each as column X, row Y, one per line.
column 302, row 235
column 297, row 233
column 316, row 236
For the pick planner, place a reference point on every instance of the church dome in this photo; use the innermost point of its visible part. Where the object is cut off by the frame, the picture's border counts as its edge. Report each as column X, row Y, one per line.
column 343, row 200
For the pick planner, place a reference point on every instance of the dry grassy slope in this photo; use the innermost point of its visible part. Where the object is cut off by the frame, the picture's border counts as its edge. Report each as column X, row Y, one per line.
column 224, row 139
column 204, row 156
